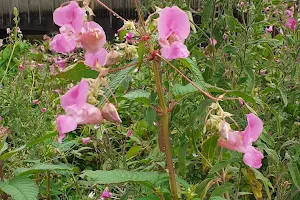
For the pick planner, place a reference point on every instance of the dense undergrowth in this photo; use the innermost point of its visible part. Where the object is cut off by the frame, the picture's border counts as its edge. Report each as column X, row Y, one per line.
column 242, row 58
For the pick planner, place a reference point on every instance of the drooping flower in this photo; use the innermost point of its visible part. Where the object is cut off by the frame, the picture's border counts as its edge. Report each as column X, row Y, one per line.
column 129, row 36
column 21, row 67
column 291, row 23
column 106, row 194
column 262, row 72
column 44, row 110
column 173, row 28
column 110, row 113
column 35, row 101
column 57, row 91
column 78, row 111
column 85, row 140
column 129, row 133
column 269, row 29
column 241, row 141
column 93, row 37
column 61, row 63
column 62, row 44
column 241, row 101
column 225, row 36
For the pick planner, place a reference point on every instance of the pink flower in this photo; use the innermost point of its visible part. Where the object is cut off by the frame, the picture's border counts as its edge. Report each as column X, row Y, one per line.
column 267, row 9
column 110, row 113
column 262, row 72
column 277, row 61
column 129, row 132
column 106, row 194
column 92, row 59
column 57, row 91
column 212, row 41
column 44, row 110
column 289, row 13
column 1, row 118
column 36, row 101
column 242, row 3
column 52, row 70
column 129, row 36
column 225, row 36
column 41, row 66
column 275, row 12
column 241, row 141
column 85, row 140
column 173, row 28
column 78, row 111
column 71, row 14
column 63, row 44
column 21, row 67
column 269, row 29
column 241, row 101
column 93, row 37
column 61, row 64
column 291, row 23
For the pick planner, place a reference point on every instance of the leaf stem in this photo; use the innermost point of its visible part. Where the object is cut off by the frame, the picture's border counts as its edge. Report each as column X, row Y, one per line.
column 111, row 11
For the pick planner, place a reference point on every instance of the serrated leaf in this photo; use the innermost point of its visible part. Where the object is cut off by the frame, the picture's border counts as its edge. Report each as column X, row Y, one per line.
column 203, row 187
column 222, row 164
column 41, row 167
column 243, row 95
column 137, row 94
column 121, row 176
column 295, row 174
column 256, row 186
column 77, row 71
column 268, row 139
column 20, row 188
column 141, row 51
column 49, row 135
column 4, row 147
column 265, row 181
column 230, row 49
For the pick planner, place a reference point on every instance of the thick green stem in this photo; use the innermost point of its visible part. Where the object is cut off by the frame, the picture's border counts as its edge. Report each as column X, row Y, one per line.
column 165, row 130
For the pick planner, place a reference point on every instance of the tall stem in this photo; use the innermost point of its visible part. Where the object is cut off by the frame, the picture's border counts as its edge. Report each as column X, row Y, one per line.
column 238, row 184
column 165, row 129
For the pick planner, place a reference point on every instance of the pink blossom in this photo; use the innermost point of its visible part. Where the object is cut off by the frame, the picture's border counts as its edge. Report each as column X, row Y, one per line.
column 173, row 28
column 267, row 9
column 41, row 66
column 289, row 13
column 21, row 67
column 242, row 3
column 269, row 29
column 275, row 12
column 106, row 194
column 129, row 132
column 63, row 44
column 57, row 91
column 129, row 36
column 212, row 41
column 44, row 110
column 281, row 31
column 277, row 61
column 93, row 37
column 71, row 15
column 241, row 141
column 225, row 36
column 262, row 72
column 36, row 101
column 78, row 111
column 85, row 140
column 110, row 113
column 1, row 118
column 291, row 23
column 92, row 59
column 61, row 64
column 241, row 101
column 52, row 70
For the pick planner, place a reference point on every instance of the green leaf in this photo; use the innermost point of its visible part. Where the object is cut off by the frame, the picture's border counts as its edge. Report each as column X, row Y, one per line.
column 49, row 135
column 243, row 95
column 150, row 117
column 133, row 151
column 20, row 188
column 77, row 71
column 4, row 147
column 207, row 12
column 217, row 198
column 272, row 153
column 284, row 96
column 222, row 164
column 268, row 139
column 266, row 182
column 121, row 176
column 40, row 168
column 151, row 197
column 295, row 174
column 122, row 34
column 11, row 153
column 141, row 51
column 137, row 94
column 204, row 186
column 230, row 49
column 251, row 79
column 233, row 24
column 182, row 157
column 218, row 191
column 209, row 150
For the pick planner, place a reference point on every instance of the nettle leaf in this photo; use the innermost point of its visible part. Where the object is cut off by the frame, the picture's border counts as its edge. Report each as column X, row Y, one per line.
column 203, row 187
column 266, row 182
column 9, row 154
column 230, row 49
column 256, row 186
column 222, row 164
column 121, row 176
column 20, row 188
column 133, row 151
column 138, row 94
column 40, row 168
column 77, row 71
column 295, row 173
column 209, row 150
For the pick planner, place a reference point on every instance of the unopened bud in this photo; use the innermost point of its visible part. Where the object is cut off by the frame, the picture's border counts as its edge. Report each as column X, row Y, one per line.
column 224, row 129
column 113, row 57
column 110, row 113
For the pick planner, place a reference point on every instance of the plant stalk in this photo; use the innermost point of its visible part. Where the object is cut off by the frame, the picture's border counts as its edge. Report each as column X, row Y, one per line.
column 165, row 130
column 238, row 184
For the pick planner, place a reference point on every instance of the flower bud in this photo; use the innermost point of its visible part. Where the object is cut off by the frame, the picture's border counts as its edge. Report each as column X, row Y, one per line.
column 110, row 113
column 113, row 57
column 224, row 129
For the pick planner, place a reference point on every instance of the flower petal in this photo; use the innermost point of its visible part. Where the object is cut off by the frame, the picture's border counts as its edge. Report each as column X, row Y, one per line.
column 253, row 130
column 173, row 20
column 76, row 95
column 253, row 157
column 62, row 44
column 91, row 59
column 174, row 51
column 65, row 124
